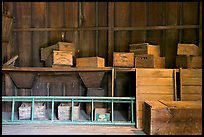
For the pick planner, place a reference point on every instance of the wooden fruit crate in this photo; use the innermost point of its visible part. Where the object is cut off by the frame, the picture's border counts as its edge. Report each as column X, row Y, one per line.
column 39, row 111
column 187, row 49
column 153, row 84
column 64, row 111
column 123, row 59
column 191, row 84
column 90, row 62
column 145, row 48
column 149, row 61
column 173, row 117
column 65, row 46
column 59, row 58
column 189, row 62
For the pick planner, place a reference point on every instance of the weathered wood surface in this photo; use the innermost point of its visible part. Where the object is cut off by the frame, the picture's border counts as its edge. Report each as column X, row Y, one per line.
column 123, row 59
column 172, row 117
column 187, row 49
column 7, row 23
column 150, row 86
column 189, row 62
column 90, row 62
column 145, row 48
column 65, row 111
column 149, row 61
column 45, row 52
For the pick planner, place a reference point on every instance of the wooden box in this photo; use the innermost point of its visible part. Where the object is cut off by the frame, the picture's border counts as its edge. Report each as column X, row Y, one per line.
column 47, row 51
column 7, row 23
column 145, row 48
column 189, row 62
column 187, row 49
column 153, row 84
column 90, row 62
column 97, row 92
column 149, row 61
column 39, row 111
column 173, row 117
column 64, row 111
column 67, row 47
column 60, row 58
column 101, row 114
column 123, row 59
column 190, row 84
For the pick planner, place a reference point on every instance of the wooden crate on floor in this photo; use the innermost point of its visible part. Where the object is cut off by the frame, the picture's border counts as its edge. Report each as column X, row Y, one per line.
column 172, row 117
column 145, row 48
column 153, row 84
column 90, row 62
column 190, row 84
column 59, row 58
column 123, row 59
column 187, row 49
column 189, row 62
column 64, row 111
column 39, row 111
column 149, row 61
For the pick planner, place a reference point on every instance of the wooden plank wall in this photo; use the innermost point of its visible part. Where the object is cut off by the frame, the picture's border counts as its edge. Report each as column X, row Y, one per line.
column 102, row 42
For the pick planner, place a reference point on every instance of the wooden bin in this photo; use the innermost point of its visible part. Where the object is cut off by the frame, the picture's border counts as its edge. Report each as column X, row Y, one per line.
column 191, row 84
column 97, row 92
column 145, row 48
column 187, row 49
column 39, row 111
column 153, row 84
column 123, row 59
column 63, row 58
column 90, row 62
column 172, row 117
column 64, row 111
column 149, row 61
column 189, row 62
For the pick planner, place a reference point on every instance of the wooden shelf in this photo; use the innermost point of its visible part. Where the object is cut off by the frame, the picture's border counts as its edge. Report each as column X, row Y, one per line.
column 49, row 69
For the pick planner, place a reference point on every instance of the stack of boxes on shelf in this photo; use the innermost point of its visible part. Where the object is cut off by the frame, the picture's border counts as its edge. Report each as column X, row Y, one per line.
column 188, row 57
column 147, row 56
column 58, row 55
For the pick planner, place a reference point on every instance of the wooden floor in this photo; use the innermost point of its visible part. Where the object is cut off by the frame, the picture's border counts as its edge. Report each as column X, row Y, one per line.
column 31, row 129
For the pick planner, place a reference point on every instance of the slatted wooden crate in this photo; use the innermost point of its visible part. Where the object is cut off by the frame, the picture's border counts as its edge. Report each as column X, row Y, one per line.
column 173, row 117
column 97, row 92
column 90, row 62
column 123, row 59
column 59, row 58
column 145, row 48
column 39, row 111
column 189, row 62
column 153, row 84
column 190, row 84
column 64, row 111
column 149, row 61
column 187, row 49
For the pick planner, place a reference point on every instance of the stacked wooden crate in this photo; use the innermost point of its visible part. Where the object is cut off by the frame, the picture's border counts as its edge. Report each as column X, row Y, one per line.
column 147, row 56
column 58, row 55
column 65, row 111
column 123, row 59
column 153, row 84
column 188, row 57
column 190, row 84
column 26, row 108
column 172, row 117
